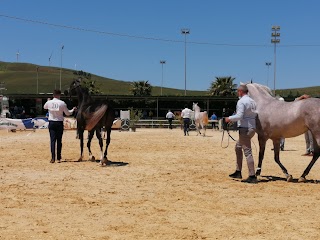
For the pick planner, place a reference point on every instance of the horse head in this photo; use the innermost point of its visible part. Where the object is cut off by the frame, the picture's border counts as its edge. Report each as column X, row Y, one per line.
column 195, row 106
column 71, row 91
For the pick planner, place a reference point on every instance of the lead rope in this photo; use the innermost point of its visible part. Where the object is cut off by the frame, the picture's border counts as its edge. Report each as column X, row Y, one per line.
column 226, row 128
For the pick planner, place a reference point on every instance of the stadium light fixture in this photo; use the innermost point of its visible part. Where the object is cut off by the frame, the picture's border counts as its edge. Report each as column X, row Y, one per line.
column 185, row 32
column 275, row 40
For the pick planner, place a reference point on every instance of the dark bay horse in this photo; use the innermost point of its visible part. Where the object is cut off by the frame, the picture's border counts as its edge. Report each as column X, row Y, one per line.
column 92, row 115
column 278, row 119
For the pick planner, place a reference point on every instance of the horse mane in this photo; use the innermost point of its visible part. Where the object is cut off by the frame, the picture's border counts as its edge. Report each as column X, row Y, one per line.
column 262, row 88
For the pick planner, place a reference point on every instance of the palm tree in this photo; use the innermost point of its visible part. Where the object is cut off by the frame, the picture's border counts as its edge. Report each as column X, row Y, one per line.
column 141, row 88
column 223, row 86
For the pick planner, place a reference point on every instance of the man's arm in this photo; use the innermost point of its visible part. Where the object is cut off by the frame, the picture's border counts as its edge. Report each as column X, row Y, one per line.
column 67, row 111
column 238, row 116
column 304, row 96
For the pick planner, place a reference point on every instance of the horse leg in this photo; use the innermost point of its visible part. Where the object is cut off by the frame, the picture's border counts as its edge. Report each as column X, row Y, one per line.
column 315, row 157
column 205, row 128
column 99, row 136
column 80, row 132
column 276, row 147
column 262, row 148
column 197, row 128
column 105, row 158
column 90, row 136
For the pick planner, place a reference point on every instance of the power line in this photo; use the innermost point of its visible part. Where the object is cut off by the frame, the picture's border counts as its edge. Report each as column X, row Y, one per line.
column 150, row 38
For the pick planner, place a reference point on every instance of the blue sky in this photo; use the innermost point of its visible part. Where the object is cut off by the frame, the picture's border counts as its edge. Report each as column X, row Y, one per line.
column 234, row 22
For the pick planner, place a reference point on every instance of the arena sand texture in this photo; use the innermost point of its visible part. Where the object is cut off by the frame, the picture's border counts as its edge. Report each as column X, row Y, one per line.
column 173, row 187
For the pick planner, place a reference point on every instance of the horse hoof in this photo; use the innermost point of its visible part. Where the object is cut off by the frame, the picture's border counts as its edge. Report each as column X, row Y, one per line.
column 302, row 179
column 92, row 159
column 80, row 159
column 289, row 178
column 259, row 178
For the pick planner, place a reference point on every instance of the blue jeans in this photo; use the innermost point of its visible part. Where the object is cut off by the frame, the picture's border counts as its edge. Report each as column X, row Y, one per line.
column 56, row 132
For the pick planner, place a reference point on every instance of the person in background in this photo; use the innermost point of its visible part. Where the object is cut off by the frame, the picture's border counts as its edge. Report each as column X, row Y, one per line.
column 170, row 116
column 186, row 115
column 246, row 118
column 56, row 108
column 213, row 117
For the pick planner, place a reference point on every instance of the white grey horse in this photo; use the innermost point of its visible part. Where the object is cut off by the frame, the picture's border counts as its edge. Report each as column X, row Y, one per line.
column 278, row 119
column 200, row 118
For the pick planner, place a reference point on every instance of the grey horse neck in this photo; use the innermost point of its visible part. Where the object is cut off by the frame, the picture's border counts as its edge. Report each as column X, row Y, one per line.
column 280, row 119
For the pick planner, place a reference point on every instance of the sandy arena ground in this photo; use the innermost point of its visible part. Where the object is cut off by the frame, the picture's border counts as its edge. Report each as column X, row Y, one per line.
column 173, row 187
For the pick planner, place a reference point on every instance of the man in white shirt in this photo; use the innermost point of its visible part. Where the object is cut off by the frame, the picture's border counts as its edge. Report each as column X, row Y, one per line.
column 56, row 108
column 186, row 115
column 170, row 116
column 246, row 118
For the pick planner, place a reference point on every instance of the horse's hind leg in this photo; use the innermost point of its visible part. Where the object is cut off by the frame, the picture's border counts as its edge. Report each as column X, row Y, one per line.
column 90, row 136
column 205, row 129
column 315, row 157
column 105, row 158
column 276, row 147
column 99, row 136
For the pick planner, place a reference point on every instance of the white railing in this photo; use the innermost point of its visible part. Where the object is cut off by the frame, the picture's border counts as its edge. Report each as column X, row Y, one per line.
column 155, row 123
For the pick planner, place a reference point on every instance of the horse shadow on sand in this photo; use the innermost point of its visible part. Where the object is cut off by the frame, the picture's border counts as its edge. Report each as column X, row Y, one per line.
column 109, row 163
column 266, row 179
column 269, row 178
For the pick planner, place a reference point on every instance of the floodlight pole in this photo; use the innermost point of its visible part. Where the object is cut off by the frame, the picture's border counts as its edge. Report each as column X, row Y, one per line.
column 162, row 62
column 276, row 39
column 185, row 31
column 268, row 64
column 61, row 65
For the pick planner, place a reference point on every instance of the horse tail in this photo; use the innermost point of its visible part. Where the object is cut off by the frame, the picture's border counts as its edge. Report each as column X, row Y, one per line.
column 205, row 118
column 96, row 117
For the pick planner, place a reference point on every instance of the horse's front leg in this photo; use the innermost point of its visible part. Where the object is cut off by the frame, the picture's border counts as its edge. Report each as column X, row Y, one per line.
column 262, row 148
column 105, row 158
column 276, row 147
column 315, row 157
column 80, row 132
column 90, row 136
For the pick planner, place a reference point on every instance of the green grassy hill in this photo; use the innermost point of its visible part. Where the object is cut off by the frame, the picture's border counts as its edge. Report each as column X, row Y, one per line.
column 22, row 78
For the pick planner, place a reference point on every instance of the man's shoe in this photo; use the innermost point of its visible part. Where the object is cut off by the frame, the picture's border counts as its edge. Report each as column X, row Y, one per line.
column 236, row 174
column 250, row 179
column 52, row 161
column 306, row 154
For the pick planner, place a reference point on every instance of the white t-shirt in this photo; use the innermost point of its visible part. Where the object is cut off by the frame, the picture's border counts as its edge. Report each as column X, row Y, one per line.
column 170, row 115
column 186, row 113
column 56, row 109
